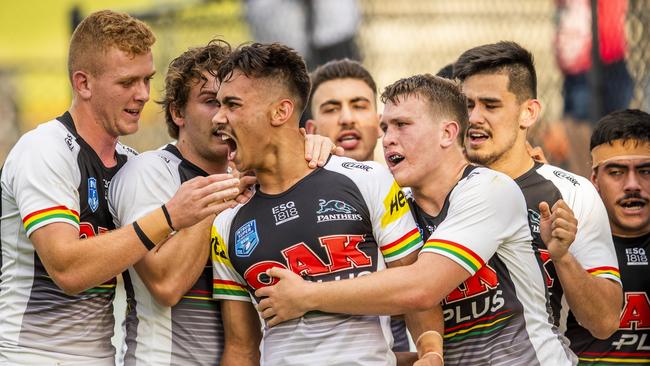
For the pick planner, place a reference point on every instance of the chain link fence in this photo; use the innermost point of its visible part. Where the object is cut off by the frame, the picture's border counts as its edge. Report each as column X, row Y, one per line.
column 395, row 39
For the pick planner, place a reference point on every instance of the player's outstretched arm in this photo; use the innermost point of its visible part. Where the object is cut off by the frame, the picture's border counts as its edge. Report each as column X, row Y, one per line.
column 595, row 302
column 78, row 264
column 242, row 332
column 416, row 287
column 319, row 148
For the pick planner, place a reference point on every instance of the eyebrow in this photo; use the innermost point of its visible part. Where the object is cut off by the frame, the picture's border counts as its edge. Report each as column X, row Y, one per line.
column 489, row 100
column 230, row 99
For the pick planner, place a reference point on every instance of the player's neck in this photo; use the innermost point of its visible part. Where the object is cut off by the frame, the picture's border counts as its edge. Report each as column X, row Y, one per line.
column 284, row 163
column 210, row 166
column 514, row 162
column 431, row 195
column 88, row 127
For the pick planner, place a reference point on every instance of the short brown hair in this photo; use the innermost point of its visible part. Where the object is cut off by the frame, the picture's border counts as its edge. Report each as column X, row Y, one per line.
column 503, row 57
column 104, row 29
column 444, row 96
column 186, row 69
column 273, row 61
column 340, row 69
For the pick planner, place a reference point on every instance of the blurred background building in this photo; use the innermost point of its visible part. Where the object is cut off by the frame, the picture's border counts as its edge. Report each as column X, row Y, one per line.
column 393, row 39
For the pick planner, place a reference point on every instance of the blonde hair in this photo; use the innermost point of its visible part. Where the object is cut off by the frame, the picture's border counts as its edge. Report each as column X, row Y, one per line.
column 100, row 31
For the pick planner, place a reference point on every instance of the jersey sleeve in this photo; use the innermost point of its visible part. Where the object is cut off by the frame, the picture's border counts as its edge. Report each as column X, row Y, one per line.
column 593, row 246
column 485, row 210
column 393, row 225
column 227, row 284
column 143, row 184
column 45, row 182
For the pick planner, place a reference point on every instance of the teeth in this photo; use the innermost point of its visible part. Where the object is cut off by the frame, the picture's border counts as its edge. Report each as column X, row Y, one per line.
column 395, row 158
column 224, row 138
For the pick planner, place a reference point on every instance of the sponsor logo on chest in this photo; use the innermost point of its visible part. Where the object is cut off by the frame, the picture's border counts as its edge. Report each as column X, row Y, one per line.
column 285, row 212
column 335, row 210
column 636, row 257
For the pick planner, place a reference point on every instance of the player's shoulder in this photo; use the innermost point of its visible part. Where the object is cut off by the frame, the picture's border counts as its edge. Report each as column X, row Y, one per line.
column 565, row 181
column 356, row 169
column 484, row 184
column 160, row 159
column 48, row 138
column 224, row 219
column 128, row 151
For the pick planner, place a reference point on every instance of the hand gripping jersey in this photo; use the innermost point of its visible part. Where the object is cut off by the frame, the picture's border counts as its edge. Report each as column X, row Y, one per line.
column 52, row 175
column 497, row 316
column 191, row 332
column 342, row 221
column 630, row 345
column 593, row 247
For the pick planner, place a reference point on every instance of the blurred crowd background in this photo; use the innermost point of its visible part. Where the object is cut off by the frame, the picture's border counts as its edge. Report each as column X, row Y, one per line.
column 591, row 55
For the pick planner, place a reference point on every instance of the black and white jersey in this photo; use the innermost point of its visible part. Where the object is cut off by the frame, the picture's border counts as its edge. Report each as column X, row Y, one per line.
column 593, row 247
column 341, row 221
column 630, row 345
column 190, row 332
column 498, row 316
column 52, row 175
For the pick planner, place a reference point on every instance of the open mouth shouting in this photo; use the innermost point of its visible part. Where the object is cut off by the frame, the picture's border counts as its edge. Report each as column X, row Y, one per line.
column 393, row 158
column 632, row 204
column 229, row 139
column 477, row 136
column 348, row 139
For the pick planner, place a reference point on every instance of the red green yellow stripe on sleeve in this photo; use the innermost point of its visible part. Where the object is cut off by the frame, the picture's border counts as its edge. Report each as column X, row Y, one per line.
column 47, row 214
column 406, row 243
column 229, row 289
column 461, row 254
column 609, row 272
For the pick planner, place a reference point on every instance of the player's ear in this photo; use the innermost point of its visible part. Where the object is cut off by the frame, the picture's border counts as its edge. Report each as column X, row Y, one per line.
column 310, row 127
column 449, row 132
column 81, row 84
column 530, row 113
column 177, row 114
column 282, row 112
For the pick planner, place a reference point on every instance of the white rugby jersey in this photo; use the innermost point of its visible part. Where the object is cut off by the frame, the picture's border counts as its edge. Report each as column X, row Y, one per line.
column 498, row 316
column 342, row 221
column 593, row 247
column 190, row 332
column 53, row 175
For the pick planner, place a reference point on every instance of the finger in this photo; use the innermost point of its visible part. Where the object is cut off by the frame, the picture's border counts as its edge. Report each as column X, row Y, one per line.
column 271, row 322
column 245, row 196
column 303, row 132
column 544, row 210
column 267, row 313
column 263, row 292
column 278, row 272
column 338, row 150
column 309, row 146
column 217, row 208
column 325, row 151
column 213, row 178
column 219, row 197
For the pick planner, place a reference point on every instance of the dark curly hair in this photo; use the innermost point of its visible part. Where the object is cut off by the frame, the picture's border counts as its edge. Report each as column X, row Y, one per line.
column 186, row 69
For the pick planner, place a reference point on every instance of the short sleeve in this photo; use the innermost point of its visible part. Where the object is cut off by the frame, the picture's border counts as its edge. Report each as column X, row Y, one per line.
column 593, row 246
column 393, row 225
column 45, row 181
column 227, row 284
column 485, row 210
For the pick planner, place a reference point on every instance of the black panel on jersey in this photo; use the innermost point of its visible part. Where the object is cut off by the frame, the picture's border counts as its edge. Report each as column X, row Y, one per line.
column 536, row 189
column 632, row 340
column 291, row 220
column 186, row 169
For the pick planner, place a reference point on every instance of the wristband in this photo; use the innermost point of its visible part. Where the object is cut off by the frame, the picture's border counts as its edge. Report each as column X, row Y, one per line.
column 143, row 237
column 442, row 360
column 167, row 217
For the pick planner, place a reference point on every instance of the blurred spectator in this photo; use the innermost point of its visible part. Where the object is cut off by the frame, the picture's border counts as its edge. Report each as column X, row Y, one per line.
column 320, row 30
column 592, row 88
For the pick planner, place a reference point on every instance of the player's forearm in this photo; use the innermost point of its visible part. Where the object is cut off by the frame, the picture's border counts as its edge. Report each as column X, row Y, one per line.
column 393, row 291
column 240, row 355
column 595, row 302
column 175, row 266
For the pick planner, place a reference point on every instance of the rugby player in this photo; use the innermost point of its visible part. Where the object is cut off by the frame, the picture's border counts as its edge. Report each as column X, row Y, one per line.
column 184, row 325
column 500, row 84
column 620, row 154
column 343, row 105
column 478, row 259
column 346, row 220
column 58, row 274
